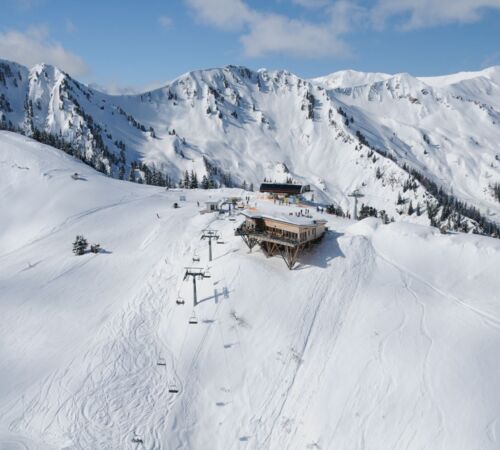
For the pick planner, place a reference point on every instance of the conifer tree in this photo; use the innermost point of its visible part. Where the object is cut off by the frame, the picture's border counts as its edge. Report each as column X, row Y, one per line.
column 194, row 180
column 187, row 182
column 204, row 182
column 80, row 245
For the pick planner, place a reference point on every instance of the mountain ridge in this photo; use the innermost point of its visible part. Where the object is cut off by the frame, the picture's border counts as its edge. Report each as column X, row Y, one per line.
column 235, row 125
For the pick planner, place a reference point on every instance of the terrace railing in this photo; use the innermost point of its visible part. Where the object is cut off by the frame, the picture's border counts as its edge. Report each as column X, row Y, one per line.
column 244, row 230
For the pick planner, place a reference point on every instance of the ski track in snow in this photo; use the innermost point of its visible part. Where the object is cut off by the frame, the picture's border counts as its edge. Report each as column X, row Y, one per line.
column 72, row 220
column 263, row 365
column 487, row 318
column 123, row 388
column 339, row 298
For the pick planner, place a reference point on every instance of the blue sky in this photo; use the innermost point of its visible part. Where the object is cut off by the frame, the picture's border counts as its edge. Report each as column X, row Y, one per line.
column 122, row 44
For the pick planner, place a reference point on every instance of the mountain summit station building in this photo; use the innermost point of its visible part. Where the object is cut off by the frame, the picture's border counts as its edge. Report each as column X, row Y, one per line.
column 279, row 234
column 284, row 189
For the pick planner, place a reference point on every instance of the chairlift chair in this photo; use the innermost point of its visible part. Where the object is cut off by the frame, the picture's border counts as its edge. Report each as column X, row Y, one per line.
column 161, row 362
column 196, row 257
column 193, row 320
column 180, row 300
column 207, row 274
column 172, row 388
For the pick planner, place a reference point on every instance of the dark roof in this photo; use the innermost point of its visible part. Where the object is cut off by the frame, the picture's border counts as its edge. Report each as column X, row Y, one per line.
column 282, row 188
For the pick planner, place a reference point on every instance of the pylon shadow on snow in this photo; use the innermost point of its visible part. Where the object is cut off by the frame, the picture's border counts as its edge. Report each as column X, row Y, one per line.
column 218, row 296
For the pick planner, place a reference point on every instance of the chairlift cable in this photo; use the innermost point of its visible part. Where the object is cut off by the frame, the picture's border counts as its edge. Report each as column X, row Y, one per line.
column 243, row 360
column 229, row 371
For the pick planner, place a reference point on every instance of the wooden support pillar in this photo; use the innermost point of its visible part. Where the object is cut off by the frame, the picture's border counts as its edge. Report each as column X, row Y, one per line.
column 249, row 241
column 290, row 254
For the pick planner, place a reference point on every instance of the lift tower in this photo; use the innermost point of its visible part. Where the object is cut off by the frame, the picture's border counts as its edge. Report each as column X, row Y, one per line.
column 210, row 234
column 195, row 273
column 356, row 194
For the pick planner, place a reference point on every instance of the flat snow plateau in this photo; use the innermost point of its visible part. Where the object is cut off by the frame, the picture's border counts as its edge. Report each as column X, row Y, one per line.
column 384, row 337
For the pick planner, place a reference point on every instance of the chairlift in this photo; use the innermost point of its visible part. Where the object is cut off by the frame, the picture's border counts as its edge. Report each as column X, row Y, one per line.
column 196, row 257
column 161, row 362
column 172, row 388
column 180, row 300
column 220, row 241
column 193, row 320
column 137, row 440
column 207, row 274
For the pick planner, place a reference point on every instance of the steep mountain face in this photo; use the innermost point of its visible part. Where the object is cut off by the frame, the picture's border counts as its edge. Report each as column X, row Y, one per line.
column 421, row 149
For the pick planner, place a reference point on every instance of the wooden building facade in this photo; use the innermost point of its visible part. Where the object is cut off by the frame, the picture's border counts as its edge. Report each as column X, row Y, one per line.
column 287, row 237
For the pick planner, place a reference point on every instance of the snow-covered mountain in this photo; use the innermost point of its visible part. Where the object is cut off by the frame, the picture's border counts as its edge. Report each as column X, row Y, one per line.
column 384, row 338
column 405, row 142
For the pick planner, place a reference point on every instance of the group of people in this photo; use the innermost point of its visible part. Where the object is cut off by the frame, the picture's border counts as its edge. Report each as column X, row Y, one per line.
column 303, row 213
column 281, row 201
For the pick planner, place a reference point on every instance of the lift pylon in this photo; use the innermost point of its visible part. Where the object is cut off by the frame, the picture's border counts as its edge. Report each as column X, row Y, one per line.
column 196, row 273
column 210, row 234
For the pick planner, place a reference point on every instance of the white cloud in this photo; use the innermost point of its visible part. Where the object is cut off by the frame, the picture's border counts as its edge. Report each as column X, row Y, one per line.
column 264, row 33
column 166, row 22
column 279, row 34
column 35, row 46
column 311, row 3
column 427, row 13
column 70, row 26
column 224, row 14
column 346, row 16
column 114, row 88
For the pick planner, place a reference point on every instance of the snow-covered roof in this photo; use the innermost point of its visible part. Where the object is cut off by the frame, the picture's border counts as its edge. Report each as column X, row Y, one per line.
column 283, row 217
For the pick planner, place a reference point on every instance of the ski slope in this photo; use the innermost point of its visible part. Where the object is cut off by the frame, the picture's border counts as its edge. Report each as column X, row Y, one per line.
column 384, row 337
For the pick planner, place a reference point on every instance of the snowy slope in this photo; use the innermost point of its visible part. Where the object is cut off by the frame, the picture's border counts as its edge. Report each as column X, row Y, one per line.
column 385, row 336
column 239, row 125
column 350, row 78
column 449, row 132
